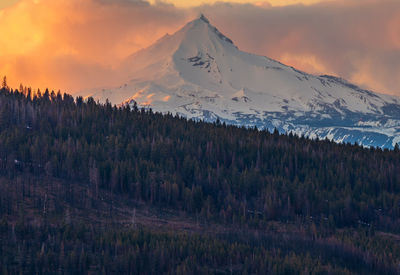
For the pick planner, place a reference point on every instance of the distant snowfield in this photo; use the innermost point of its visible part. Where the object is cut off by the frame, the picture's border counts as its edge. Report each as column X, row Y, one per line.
column 199, row 73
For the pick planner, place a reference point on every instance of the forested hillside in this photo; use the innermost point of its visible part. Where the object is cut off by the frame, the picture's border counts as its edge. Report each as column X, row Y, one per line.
column 66, row 162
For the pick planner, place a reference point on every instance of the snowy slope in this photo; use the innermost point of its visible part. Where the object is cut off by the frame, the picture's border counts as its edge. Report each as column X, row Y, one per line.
column 199, row 73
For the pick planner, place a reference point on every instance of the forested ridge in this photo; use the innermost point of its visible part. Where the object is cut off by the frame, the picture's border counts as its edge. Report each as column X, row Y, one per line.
column 58, row 153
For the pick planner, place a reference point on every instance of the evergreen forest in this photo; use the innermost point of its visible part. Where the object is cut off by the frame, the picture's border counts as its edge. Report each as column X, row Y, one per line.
column 90, row 188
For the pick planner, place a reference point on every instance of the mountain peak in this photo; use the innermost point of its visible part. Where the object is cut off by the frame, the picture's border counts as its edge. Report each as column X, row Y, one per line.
column 205, row 19
column 198, row 72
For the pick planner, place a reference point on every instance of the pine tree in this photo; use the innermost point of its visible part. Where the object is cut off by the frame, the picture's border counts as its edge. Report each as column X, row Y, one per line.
column 4, row 83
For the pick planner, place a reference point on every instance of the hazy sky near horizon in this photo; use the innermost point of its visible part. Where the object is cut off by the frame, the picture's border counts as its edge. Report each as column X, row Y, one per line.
column 74, row 44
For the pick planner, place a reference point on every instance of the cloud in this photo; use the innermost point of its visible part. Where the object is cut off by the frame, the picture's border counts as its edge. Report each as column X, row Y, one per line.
column 74, row 44
column 7, row 3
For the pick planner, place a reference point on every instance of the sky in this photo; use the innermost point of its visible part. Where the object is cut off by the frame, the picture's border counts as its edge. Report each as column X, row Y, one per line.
column 74, row 45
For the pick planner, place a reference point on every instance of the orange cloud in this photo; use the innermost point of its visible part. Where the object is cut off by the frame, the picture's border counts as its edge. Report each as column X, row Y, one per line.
column 73, row 44
column 7, row 3
column 309, row 63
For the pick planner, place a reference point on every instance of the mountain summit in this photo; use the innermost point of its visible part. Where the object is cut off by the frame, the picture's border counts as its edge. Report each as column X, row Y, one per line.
column 199, row 73
column 202, row 17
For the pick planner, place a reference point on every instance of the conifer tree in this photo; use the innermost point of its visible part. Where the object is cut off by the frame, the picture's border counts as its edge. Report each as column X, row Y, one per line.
column 4, row 83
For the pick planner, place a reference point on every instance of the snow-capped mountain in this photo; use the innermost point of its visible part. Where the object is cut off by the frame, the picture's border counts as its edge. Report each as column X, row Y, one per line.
column 199, row 73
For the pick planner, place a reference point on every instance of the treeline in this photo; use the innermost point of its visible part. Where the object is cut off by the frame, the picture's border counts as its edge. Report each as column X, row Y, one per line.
column 214, row 171
column 82, row 249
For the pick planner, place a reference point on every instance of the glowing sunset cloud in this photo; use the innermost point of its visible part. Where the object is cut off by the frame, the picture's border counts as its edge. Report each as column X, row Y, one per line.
column 7, row 3
column 75, row 44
